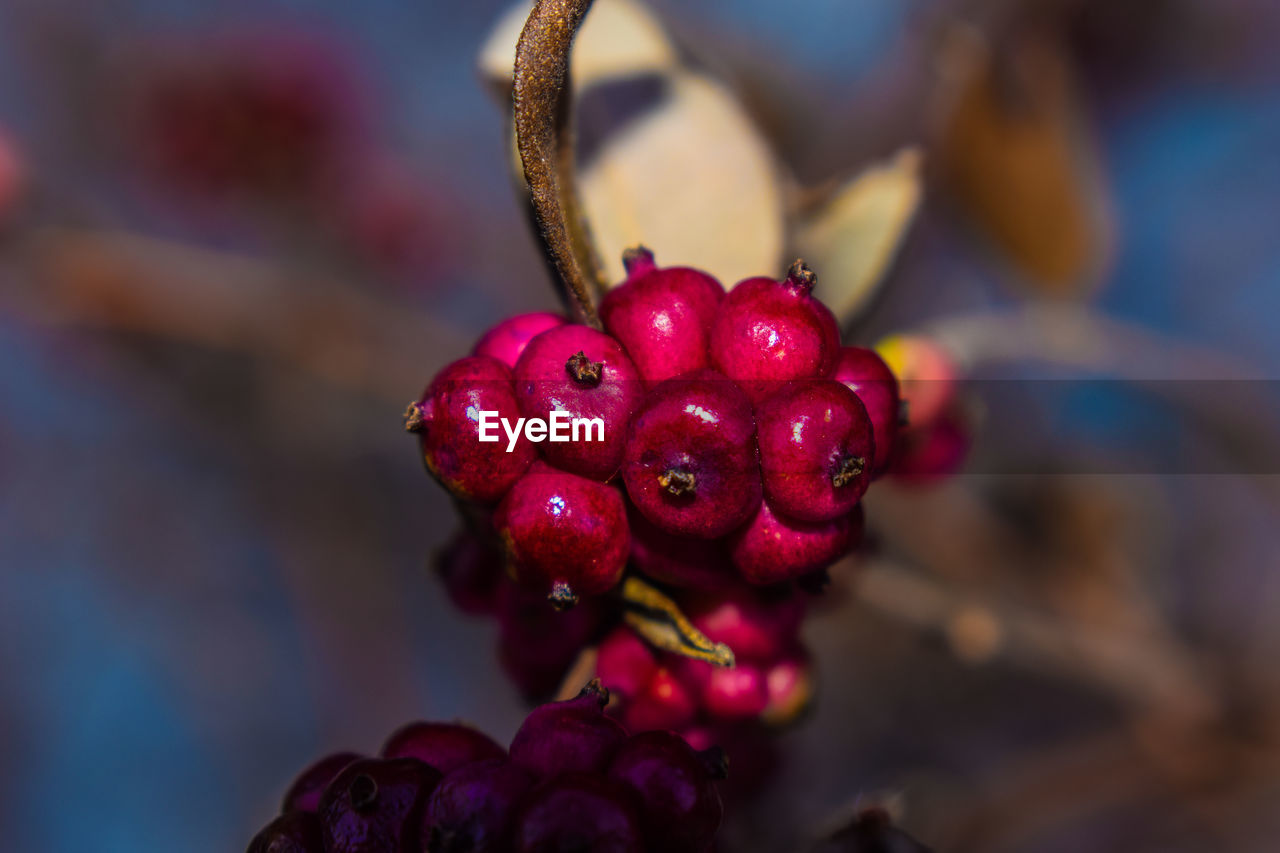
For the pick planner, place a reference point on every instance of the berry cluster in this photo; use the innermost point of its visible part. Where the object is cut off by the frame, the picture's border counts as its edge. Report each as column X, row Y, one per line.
column 572, row 779
column 738, row 435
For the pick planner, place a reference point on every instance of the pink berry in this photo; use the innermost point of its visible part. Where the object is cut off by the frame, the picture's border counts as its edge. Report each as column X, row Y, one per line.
column 769, row 331
column 678, row 560
column 292, row 832
column 691, row 466
column 663, row 317
column 866, row 374
column 304, row 794
column 664, row 703
column 759, row 625
column 472, row 808
column 931, row 452
column 927, row 375
column 624, row 663
column 570, row 736
column 445, row 746
column 774, row 548
column 507, row 340
column 376, row 805
column 789, row 683
column 735, row 692
column 447, row 421
column 816, row 449
column 579, row 812
column 587, row 374
column 566, row 535
column 680, row 808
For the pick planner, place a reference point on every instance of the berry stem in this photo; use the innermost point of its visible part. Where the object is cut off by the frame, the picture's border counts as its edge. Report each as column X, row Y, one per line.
column 545, row 144
column 801, row 277
column 658, row 620
column 638, row 260
column 562, row 596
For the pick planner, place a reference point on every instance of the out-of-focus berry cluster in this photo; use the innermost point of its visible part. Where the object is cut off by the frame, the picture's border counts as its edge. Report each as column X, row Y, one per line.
column 572, row 779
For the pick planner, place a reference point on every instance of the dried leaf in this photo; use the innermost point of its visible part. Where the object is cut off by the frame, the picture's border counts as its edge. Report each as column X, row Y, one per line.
column 851, row 239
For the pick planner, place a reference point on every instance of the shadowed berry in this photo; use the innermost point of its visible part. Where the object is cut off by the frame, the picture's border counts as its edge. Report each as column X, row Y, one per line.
column 448, row 422
column 472, row 808
column 624, row 663
column 691, row 466
column 928, row 453
column 789, row 683
column 507, row 340
column 770, row 331
column 305, row 792
column 537, row 643
column 866, row 374
column 291, row 832
column 663, row 317
column 566, row 535
column 816, row 449
column 579, row 813
column 926, row 373
column 680, row 808
column 665, row 702
column 587, row 374
column 471, row 569
column 574, row 735
column 375, row 806
column 774, row 548
column 678, row 560
column 445, row 746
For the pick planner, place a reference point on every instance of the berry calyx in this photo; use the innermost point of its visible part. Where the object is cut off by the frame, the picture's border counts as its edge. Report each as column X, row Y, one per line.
column 566, row 535
column 583, row 370
column 445, row 746
column 375, row 805
column 865, row 373
column 663, row 317
column 570, row 736
column 815, row 445
column 507, row 340
column 773, row 548
column 690, row 462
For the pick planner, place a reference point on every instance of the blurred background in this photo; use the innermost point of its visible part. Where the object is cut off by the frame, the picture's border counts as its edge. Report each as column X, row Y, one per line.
column 235, row 238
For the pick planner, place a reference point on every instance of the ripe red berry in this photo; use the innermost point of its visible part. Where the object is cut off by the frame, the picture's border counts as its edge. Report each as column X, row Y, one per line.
column 927, row 375
column 664, row 703
column 587, row 374
column 866, row 374
column 291, row 832
column 734, row 692
column 769, row 331
column 507, row 340
column 681, row 561
column 663, row 317
column 578, row 812
column 444, row 746
column 759, row 625
column 816, row 449
column 570, row 736
column 680, row 808
column 691, row 466
column 774, row 548
column 305, row 792
column 928, row 453
column 447, row 420
column 624, row 663
column 566, row 535
column 472, row 808
column 375, row 806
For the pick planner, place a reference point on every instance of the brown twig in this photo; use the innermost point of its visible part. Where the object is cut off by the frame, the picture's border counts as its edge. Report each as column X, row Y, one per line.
column 544, row 141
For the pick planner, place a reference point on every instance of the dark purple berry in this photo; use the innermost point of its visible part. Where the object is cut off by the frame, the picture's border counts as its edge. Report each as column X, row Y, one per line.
column 567, row 536
column 768, row 332
column 291, row 832
column 816, row 449
column 680, row 808
column 444, row 746
column 375, row 806
column 448, row 422
column 579, row 813
column 472, row 808
column 663, row 317
column 305, row 792
column 588, row 375
column 471, row 569
column 691, row 466
column 574, row 735
column 537, row 643
column 774, row 548
column 507, row 340
column 866, row 374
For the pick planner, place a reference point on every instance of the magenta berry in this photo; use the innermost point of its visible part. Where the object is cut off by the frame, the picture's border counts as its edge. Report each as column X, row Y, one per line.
column 579, row 812
column 681, row 561
column 624, row 663
column 789, row 684
column 735, row 692
column 448, row 424
column 865, row 373
column 774, row 548
column 471, row 810
column 757, row 624
column 680, row 808
column 507, row 340
column 588, row 375
column 574, row 735
column 444, row 746
column 691, row 466
column 537, row 644
column 566, row 535
column 291, row 832
column 769, row 331
column 663, row 317
column 816, row 449
column 375, row 806
column 305, row 792
column 665, row 702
